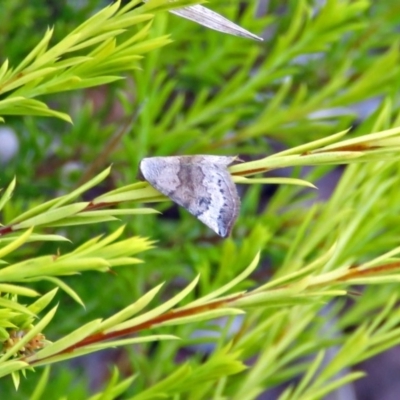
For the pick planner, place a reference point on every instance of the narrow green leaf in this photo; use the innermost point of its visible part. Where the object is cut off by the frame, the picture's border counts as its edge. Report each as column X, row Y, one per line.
column 19, row 241
column 62, row 285
column 123, row 189
column 82, row 189
column 131, row 310
column 97, row 20
column 280, row 281
column 55, row 85
column 139, row 36
column 375, row 280
column 311, row 371
column 26, row 78
column 7, row 194
column 334, row 385
column 90, row 82
column 217, row 293
column 114, row 391
column 158, row 310
column 40, row 304
column 67, row 341
column 151, row 44
column 19, row 290
column 49, row 265
column 69, row 62
column 41, row 385
column 37, row 50
column 38, row 110
column 145, row 194
column 119, row 211
column 381, row 259
column 128, row 6
column 80, row 220
column 210, row 314
column 16, row 377
column 94, row 244
column 3, row 69
column 268, row 163
column 57, row 358
column 6, row 368
column 100, row 38
column 34, row 237
column 271, row 181
column 121, row 261
column 127, row 21
column 365, row 139
column 124, row 342
column 354, row 346
column 51, row 216
column 4, row 103
column 162, row 387
column 53, row 54
column 13, row 305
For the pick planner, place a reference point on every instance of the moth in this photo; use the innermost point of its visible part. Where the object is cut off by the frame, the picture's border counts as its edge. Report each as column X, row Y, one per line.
column 206, row 17
column 201, row 184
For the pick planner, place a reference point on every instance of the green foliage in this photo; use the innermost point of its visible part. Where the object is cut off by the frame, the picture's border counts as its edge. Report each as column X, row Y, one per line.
column 197, row 317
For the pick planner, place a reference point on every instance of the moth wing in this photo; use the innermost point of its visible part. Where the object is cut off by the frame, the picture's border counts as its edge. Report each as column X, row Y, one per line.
column 201, row 184
column 161, row 173
column 224, row 202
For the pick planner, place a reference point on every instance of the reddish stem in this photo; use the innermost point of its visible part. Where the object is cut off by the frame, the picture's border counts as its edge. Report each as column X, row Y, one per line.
column 168, row 316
